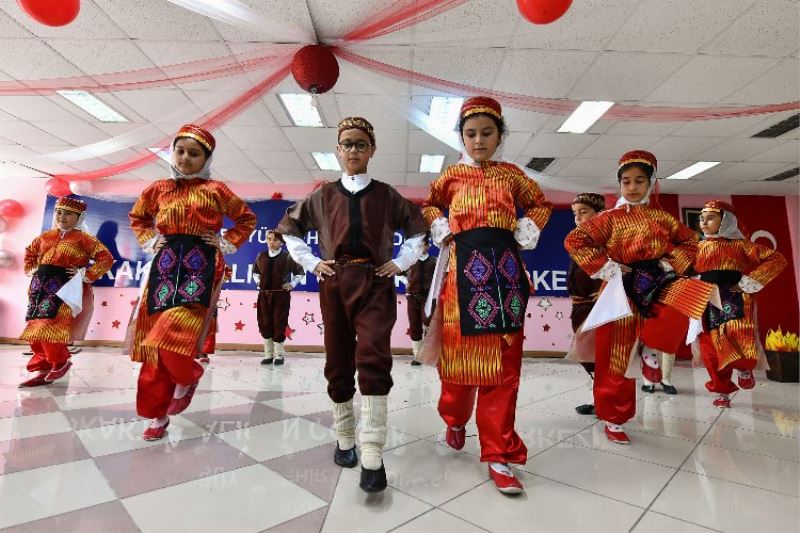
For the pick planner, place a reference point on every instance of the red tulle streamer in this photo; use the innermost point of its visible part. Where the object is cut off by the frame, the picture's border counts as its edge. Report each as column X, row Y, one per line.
column 211, row 121
column 399, row 15
column 554, row 106
column 277, row 196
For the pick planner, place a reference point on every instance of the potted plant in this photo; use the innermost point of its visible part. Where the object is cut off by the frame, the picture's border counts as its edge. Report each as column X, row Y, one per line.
column 782, row 356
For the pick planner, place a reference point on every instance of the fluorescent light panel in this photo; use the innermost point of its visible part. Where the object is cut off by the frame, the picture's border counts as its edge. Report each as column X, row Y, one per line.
column 693, row 170
column 582, row 118
column 164, row 153
column 431, row 163
column 92, row 105
column 444, row 111
column 326, row 160
column 302, row 110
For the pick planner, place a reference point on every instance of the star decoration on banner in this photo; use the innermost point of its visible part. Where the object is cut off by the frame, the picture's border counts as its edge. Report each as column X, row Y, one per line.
column 104, row 303
column 134, row 302
column 239, row 325
column 223, row 304
column 321, row 327
column 308, row 318
column 545, row 304
column 115, row 324
column 559, row 315
column 289, row 332
column 546, row 328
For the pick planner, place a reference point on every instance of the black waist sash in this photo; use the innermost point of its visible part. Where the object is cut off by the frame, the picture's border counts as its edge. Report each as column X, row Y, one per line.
column 732, row 302
column 42, row 299
column 493, row 287
column 645, row 282
column 182, row 274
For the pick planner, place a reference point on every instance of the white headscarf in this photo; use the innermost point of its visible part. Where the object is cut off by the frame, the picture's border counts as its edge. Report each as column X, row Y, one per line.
column 728, row 229
column 204, row 173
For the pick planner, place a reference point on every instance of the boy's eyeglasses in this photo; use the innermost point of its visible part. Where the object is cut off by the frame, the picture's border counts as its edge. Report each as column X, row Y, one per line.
column 360, row 146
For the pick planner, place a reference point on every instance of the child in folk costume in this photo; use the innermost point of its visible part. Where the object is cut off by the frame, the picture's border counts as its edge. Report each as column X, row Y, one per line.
column 418, row 281
column 740, row 268
column 178, row 219
column 641, row 251
column 583, row 291
column 485, row 293
column 60, row 297
column 356, row 217
column 276, row 274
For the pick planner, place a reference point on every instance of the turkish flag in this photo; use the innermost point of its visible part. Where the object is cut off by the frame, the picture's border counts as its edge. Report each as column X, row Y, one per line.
column 766, row 219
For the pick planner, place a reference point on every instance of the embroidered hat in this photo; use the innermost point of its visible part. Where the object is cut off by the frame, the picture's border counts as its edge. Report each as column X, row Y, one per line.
column 592, row 199
column 357, row 123
column 637, row 156
column 71, row 204
column 201, row 135
column 481, row 104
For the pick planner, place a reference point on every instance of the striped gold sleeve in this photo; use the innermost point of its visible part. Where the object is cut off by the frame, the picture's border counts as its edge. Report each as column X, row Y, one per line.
column 586, row 243
column 237, row 210
column 103, row 260
column 143, row 213
column 437, row 202
column 530, row 198
column 766, row 264
column 32, row 252
column 684, row 249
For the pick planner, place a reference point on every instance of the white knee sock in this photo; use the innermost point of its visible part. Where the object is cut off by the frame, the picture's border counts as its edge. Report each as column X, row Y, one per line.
column 180, row 392
column 344, row 424
column 374, row 410
column 269, row 348
column 667, row 360
column 159, row 422
column 650, row 357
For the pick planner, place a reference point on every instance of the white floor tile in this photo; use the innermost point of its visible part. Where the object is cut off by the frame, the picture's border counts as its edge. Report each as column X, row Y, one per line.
column 115, row 438
column 276, row 439
column 546, row 506
column 779, row 421
column 438, row 521
column 246, row 499
column 96, row 399
column 762, row 471
column 21, row 427
column 760, row 510
column 42, row 492
column 304, row 404
column 787, row 448
column 614, row 476
column 205, row 401
column 659, row 523
column 651, row 447
column 355, row 511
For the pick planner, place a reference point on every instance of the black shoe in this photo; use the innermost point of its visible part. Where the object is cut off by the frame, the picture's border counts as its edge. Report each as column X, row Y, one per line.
column 414, row 362
column 345, row 458
column 267, row 360
column 373, row 480
column 278, row 361
column 585, row 409
column 649, row 388
column 669, row 389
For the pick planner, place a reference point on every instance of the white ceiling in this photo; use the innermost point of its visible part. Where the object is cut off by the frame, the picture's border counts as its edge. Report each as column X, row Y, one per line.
column 655, row 52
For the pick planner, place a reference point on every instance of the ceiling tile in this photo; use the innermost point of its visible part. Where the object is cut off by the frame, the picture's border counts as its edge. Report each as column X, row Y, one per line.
column 547, row 74
column 738, row 149
column 558, row 144
column 91, row 23
column 621, row 77
column 613, row 146
column 257, row 138
column 159, row 21
column 31, row 59
column 275, row 161
column 770, row 28
column 780, row 84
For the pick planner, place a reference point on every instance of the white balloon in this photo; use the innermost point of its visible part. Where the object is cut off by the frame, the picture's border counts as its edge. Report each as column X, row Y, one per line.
column 6, row 259
column 80, row 187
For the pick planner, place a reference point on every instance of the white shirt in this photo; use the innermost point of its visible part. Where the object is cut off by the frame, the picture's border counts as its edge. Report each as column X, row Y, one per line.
column 301, row 252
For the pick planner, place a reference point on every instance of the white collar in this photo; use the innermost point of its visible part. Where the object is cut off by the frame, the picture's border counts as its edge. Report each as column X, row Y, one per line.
column 423, row 257
column 356, row 182
column 274, row 253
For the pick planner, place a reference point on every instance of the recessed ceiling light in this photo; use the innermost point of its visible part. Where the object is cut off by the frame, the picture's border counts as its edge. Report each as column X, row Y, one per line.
column 582, row 118
column 693, row 170
column 431, row 163
column 326, row 160
column 92, row 105
column 302, row 110
column 444, row 111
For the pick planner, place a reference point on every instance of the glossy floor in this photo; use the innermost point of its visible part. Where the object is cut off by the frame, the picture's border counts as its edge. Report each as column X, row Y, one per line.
column 254, row 452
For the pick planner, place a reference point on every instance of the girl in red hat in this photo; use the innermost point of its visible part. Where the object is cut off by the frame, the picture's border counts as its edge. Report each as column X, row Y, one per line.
column 179, row 219
column 485, row 292
column 62, row 262
column 641, row 251
column 740, row 269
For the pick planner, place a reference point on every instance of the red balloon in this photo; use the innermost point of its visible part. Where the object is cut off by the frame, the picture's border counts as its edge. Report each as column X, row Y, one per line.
column 11, row 209
column 51, row 12
column 315, row 68
column 57, row 187
column 543, row 11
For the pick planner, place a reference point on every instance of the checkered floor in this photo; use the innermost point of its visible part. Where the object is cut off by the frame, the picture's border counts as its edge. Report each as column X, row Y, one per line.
column 254, row 452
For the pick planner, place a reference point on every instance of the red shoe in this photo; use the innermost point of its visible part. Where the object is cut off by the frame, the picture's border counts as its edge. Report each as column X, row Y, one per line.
column 746, row 380
column 36, row 381
column 456, row 438
column 179, row 405
column 58, row 373
column 722, row 402
column 505, row 483
column 155, row 433
column 617, row 437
